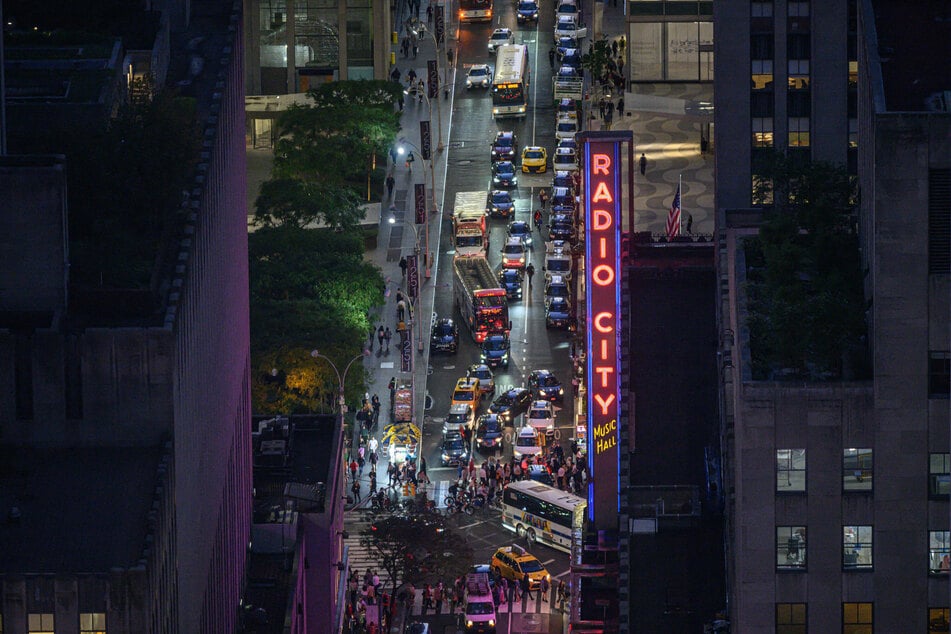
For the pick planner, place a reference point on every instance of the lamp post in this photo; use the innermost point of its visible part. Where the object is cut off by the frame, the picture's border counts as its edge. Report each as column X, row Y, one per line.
column 419, row 329
column 432, row 173
column 341, row 380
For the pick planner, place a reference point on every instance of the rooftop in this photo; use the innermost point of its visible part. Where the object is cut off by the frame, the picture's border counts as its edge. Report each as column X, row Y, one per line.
column 913, row 48
column 82, row 510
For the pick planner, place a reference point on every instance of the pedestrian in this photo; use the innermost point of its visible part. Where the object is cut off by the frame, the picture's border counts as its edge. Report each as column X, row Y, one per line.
column 562, row 595
column 353, row 469
column 415, row 50
column 620, row 106
column 427, row 598
column 537, row 219
column 404, row 47
column 449, row 55
column 551, row 57
column 373, row 481
column 421, row 474
column 411, row 75
column 543, row 589
column 361, row 462
column 703, row 144
column 395, row 74
column 401, row 102
column 379, row 336
column 429, row 14
column 400, row 310
column 689, row 222
column 438, row 597
column 543, row 197
column 421, row 89
column 643, row 164
column 601, row 106
column 356, row 491
column 409, row 161
column 372, row 333
column 614, row 48
column 387, row 335
column 527, row 586
column 390, row 184
column 392, row 387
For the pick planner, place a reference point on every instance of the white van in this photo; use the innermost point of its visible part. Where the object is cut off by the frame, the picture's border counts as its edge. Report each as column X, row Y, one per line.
column 480, row 606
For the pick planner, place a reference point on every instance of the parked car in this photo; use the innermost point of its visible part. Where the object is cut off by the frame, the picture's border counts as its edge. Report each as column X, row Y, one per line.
column 558, row 313
column 504, row 147
column 565, row 160
column 567, row 26
column 479, row 76
column 544, row 385
column 563, row 178
column 566, row 127
column 445, row 337
column 560, row 227
column 563, row 44
column 567, row 8
column 562, row 197
column 514, row 254
column 556, row 286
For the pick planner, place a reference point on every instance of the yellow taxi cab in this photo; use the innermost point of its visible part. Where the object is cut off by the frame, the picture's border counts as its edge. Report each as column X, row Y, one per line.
column 534, row 159
column 467, row 392
column 514, row 562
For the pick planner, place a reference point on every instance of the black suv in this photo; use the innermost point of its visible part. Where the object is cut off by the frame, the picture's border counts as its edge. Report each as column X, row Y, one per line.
column 489, row 433
column 504, row 147
column 545, row 387
column 511, row 404
column 445, row 336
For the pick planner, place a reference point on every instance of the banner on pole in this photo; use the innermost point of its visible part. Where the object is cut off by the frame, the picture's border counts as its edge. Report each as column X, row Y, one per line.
column 406, row 351
column 425, row 140
column 420, row 200
column 412, row 275
column 440, row 23
column 433, row 85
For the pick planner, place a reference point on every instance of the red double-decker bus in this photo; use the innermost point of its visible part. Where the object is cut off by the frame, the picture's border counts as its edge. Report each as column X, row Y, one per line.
column 475, row 10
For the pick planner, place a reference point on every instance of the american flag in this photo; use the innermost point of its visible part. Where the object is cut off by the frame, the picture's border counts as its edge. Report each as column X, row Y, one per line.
column 673, row 217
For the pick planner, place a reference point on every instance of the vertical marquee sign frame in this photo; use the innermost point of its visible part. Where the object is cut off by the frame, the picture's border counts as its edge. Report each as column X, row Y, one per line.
column 603, row 169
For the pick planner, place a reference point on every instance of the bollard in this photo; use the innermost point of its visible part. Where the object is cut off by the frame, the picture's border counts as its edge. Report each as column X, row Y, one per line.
column 395, row 38
column 392, row 59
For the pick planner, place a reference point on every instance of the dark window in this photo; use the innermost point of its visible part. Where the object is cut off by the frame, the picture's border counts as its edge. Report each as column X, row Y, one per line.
column 761, row 46
column 939, row 374
column 761, row 105
column 23, row 376
column 800, row 103
column 798, row 46
column 939, row 221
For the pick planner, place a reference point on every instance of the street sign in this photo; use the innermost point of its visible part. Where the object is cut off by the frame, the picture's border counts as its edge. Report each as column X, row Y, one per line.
column 412, row 275
column 440, row 24
column 406, row 351
column 420, row 200
column 433, row 87
column 425, row 140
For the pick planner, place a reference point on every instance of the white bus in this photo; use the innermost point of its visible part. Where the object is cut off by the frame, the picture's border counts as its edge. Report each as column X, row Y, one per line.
column 542, row 513
column 512, row 78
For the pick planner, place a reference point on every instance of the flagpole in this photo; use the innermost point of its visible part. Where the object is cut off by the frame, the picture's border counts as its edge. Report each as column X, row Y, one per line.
column 680, row 190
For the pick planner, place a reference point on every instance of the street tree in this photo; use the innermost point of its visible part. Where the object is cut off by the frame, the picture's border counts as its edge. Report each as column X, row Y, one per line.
column 416, row 548
column 309, row 289
column 596, row 60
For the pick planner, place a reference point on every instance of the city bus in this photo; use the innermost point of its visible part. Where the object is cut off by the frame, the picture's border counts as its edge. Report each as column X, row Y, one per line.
column 475, row 10
column 542, row 513
column 512, row 78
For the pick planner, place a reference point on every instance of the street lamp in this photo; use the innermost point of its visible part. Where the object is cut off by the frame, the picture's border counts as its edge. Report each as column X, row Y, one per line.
column 341, row 381
column 400, row 150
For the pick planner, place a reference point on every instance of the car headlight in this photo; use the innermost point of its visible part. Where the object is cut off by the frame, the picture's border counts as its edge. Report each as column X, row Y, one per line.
column 561, row 391
column 496, row 179
column 469, row 624
column 491, row 622
column 505, row 356
column 445, row 456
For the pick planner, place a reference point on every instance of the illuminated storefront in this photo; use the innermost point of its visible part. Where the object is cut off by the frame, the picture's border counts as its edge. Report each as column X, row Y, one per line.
column 670, row 40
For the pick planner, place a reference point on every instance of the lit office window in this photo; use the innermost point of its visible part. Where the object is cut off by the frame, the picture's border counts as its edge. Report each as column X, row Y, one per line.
column 92, row 623
column 762, row 74
column 761, row 9
column 790, row 547
column 939, row 552
column 856, row 469
column 40, row 624
column 939, row 620
column 762, row 132
column 790, row 470
column 799, row 132
column 790, row 618
column 857, row 547
column 939, row 476
column 857, row 618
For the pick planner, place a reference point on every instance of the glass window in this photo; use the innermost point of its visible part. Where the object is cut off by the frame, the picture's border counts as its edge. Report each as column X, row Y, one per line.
column 40, row 624
column 790, row 547
column 92, row 623
column 762, row 74
column 761, row 9
column 939, row 620
column 683, row 50
column 799, row 103
column 857, row 469
column 798, row 46
column 799, row 132
column 939, row 553
column 646, row 51
column 939, row 373
column 857, row 547
column 762, row 132
column 761, row 46
column 798, row 9
column 939, row 475
column 790, row 470
column 790, row 618
column 857, row 618
column 853, row 132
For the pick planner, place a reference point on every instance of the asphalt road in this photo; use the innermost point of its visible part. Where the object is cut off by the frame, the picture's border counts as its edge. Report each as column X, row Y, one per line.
column 533, row 346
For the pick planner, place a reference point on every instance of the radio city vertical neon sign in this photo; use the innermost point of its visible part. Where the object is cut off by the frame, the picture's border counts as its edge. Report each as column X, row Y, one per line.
column 602, row 202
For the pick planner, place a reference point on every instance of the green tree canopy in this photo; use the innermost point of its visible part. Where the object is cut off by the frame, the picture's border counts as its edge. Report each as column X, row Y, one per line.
column 596, row 61
column 310, row 289
column 805, row 283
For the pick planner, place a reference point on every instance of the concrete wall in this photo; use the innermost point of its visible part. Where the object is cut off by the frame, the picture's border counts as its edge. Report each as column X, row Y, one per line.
column 209, row 313
column 731, row 85
column 34, row 252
